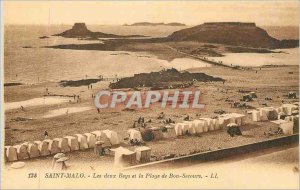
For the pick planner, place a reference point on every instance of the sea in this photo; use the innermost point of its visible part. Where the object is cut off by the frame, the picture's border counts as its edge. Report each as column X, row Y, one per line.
column 36, row 63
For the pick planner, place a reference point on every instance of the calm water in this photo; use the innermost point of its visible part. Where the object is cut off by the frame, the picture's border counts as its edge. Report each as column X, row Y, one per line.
column 28, row 64
column 288, row 57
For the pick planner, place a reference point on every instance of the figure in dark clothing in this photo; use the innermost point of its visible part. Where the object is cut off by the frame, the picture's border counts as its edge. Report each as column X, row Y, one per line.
column 46, row 135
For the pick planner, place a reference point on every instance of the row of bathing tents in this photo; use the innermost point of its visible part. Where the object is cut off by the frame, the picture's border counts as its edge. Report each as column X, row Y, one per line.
column 202, row 125
column 288, row 123
column 53, row 146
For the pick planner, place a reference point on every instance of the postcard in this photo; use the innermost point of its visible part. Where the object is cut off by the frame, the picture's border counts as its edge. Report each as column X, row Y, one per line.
column 150, row 94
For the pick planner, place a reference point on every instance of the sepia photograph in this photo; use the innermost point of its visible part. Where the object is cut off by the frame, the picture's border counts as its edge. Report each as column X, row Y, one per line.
column 150, row 94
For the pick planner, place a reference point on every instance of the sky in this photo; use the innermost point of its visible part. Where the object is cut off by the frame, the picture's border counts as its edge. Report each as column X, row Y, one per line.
column 279, row 13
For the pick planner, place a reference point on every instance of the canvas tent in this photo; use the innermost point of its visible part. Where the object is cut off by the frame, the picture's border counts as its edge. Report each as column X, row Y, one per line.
column 112, row 136
column 43, row 147
column 22, row 152
column 255, row 115
column 286, row 126
column 134, row 135
column 101, row 136
column 33, row 150
column 72, row 142
column 11, row 153
column 63, row 144
column 123, row 157
column 289, row 108
column 268, row 113
column 191, row 128
column 53, row 146
column 178, row 129
column 216, row 124
column 91, row 139
column 208, row 124
column 199, row 126
column 82, row 141
column 181, row 128
column 143, row 154
column 237, row 118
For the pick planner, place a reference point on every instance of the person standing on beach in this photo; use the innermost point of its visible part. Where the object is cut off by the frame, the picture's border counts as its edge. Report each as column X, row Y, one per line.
column 46, row 135
column 91, row 87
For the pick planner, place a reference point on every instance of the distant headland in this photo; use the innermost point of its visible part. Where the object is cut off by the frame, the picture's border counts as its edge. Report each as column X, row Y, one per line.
column 155, row 24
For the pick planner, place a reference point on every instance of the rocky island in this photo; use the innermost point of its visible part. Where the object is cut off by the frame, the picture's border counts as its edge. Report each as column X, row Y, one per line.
column 231, row 33
column 208, row 39
column 163, row 79
column 79, row 30
column 155, row 24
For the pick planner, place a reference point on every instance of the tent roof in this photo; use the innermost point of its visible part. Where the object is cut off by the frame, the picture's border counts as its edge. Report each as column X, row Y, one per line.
column 122, row 150
column 143, row 148
column 279, row 121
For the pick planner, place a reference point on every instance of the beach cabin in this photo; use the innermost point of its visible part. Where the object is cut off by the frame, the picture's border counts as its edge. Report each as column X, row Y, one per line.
column 72, row 142
column 91, row 139
column 82, row 141
column 33, row 150
column 112, row 136
column 53, row 146
column 285, row 126
column 123, row 157
column 134, row 135
column 143, row 154
column 43, row 147
column 22, row 152
column 63, row 144
column 11, row 153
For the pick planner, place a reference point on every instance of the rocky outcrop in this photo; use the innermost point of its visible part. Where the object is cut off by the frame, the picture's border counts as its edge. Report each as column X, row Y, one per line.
column 79, row 30
column 231, row 33
column 156, row 24
column 163, row 79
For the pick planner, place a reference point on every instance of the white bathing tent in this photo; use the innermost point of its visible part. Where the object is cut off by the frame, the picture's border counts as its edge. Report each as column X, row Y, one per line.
column 72, row 142
column 33, row 150
column 91, row 139
column 178, row 129
column 112, row 136
column 101, row 136
column 82, row 141
column 181, row 128
column 268, row 113
column 289, row 108
column 134, row 135
column 286, row 126
column 22, row 152
column 199, row 125
column 191, row 127
column 53, row 146
column 11, row 153
column 237, row 118
column 43, row 147
column 143, row 154
column 123, row 157
column 255, row 115
column 63, row 144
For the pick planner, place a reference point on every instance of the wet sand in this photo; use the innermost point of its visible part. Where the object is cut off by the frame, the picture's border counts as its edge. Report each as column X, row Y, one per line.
column 267, row 82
